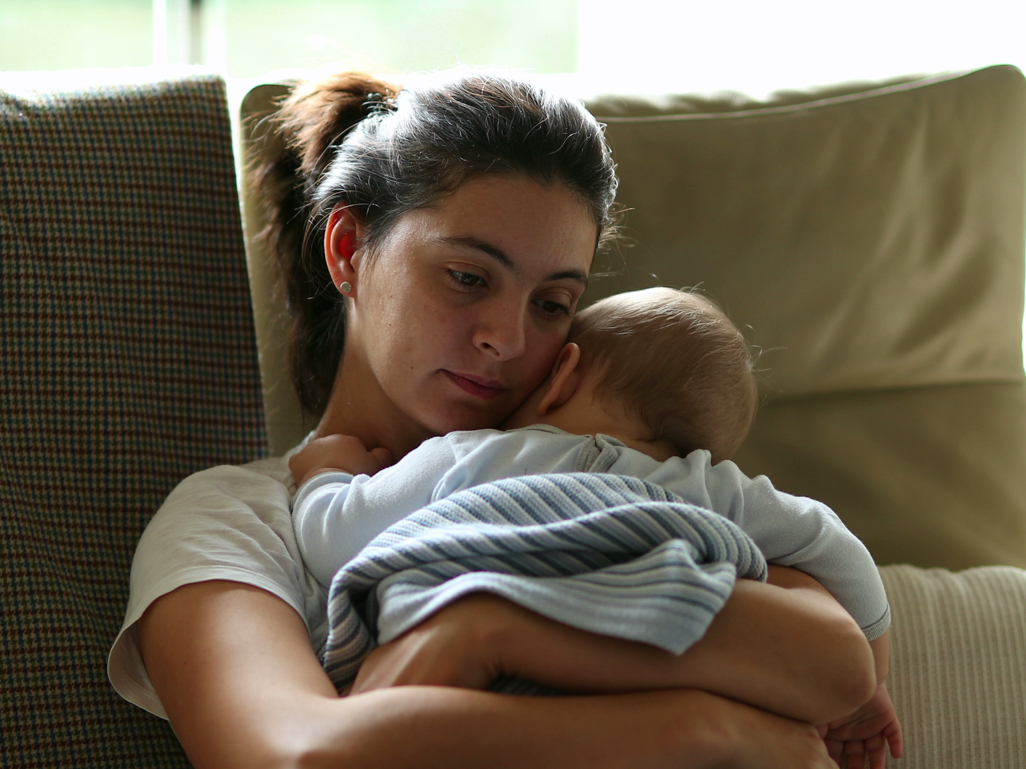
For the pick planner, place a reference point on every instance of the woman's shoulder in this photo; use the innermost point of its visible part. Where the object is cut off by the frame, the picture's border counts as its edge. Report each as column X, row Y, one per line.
column 225, row 502
column 275, row 468
column 225, row 485
column 224, row 523
column 246, row 505
column 258, row 476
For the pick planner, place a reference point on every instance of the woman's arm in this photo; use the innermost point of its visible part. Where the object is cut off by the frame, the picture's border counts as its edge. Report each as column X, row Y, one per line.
column 874, row 729
column 233, row 667
column 787, row 647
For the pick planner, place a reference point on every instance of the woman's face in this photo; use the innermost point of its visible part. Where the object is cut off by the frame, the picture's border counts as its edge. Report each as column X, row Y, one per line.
column 457, row 314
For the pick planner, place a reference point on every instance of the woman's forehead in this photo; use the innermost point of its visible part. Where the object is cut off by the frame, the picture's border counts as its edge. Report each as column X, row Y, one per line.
column 517, row 221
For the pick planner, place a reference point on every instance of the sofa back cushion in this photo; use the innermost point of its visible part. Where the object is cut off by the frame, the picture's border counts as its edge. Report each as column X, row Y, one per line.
column 869, row 239
column 128, row 361
column 866, row 240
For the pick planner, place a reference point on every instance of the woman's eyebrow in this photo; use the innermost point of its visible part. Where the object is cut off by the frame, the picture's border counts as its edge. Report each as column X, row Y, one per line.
column 505, row 261
column 480, row 245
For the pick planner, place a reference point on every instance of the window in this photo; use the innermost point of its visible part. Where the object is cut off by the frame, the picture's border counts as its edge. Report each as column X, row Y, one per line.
column 748, row 45
column 248, row 38
column 757, row 47
column 64, row 34
column 396, row 35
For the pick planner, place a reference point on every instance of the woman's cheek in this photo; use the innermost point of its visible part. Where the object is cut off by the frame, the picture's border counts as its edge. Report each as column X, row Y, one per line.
column 542, row 354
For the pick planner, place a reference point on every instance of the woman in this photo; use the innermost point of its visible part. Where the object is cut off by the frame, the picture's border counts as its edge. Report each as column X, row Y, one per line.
column 435, row 243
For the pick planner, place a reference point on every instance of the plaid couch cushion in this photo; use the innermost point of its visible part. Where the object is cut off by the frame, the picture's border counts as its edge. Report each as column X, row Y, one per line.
column 127, row 361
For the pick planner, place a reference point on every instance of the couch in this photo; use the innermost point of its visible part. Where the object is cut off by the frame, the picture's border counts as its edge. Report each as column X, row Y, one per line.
column 869, row 238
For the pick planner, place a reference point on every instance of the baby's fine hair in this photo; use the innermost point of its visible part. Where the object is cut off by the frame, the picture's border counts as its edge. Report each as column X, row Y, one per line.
column 675, row 361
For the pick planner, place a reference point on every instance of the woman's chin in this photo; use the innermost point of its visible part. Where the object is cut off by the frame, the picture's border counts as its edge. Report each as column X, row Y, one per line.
column 465, row 419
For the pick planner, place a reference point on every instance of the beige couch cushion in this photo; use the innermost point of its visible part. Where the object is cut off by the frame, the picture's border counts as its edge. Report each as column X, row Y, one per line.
column 870, row 240
column 869, row 237
column 933, row 476
column 958, row 673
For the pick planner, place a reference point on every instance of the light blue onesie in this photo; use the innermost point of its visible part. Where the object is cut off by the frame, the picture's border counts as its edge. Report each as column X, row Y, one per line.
column 336, row 514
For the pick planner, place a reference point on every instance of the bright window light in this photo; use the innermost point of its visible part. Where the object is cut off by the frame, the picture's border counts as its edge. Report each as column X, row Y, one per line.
column 396, row 35
column 757, row 47
column 67, row 34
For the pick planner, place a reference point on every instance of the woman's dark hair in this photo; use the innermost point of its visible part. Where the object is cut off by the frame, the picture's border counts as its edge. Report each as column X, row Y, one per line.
column 383, row 151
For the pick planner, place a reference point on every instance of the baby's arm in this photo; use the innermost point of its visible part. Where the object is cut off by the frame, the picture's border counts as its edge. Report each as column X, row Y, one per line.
column 336, row 513
column 791, row 531
column 806, row 535
column 337, row 452
column 825, row 549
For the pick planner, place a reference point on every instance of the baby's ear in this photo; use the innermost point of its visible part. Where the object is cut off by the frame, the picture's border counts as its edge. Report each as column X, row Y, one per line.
column 563, row 380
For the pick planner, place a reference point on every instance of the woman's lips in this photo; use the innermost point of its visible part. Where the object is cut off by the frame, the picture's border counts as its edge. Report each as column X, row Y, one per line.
column 477, row 386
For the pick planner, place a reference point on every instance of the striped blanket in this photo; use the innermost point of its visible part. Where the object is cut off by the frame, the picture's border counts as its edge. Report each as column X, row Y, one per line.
column 606, row 553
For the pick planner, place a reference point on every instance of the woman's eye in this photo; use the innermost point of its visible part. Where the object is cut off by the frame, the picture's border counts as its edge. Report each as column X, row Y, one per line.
column 552, row 309
column 465, row 279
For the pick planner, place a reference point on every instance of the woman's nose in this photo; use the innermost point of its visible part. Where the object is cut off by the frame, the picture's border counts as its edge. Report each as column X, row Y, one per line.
column 501, row 331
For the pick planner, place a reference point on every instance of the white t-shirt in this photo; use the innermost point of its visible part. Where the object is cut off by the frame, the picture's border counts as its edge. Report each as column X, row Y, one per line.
column 225, row 523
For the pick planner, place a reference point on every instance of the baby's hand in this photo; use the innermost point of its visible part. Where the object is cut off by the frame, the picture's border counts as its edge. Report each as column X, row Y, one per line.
column 867, row 732
column 337, row 452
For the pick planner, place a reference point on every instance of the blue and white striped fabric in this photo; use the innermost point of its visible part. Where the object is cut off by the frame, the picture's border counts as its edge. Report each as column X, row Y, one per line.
column 605, row 553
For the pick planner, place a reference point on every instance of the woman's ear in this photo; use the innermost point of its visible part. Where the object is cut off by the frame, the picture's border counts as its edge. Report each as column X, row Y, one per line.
column 563, row 380
column 342, row 239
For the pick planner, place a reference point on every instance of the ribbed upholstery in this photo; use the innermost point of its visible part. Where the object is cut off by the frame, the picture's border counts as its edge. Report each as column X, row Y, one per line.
column 958, row 673
column 127, row 361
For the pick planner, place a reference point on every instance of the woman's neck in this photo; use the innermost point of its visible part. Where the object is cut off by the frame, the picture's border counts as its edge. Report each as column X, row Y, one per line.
column 368, row 414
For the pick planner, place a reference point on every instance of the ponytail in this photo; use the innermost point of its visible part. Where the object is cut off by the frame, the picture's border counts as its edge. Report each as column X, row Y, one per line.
column 312, row 121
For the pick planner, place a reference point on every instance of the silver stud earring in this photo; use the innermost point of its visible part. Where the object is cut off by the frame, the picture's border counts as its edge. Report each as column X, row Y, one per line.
column 345, row 287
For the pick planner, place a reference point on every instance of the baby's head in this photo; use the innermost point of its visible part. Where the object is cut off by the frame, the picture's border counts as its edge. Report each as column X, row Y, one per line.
column 675, row 361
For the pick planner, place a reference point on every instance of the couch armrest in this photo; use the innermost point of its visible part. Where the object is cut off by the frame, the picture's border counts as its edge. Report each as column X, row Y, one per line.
column 958, row 666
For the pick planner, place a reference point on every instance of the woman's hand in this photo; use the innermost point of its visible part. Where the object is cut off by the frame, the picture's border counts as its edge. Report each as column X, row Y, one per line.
column 760, row 740
column 450, row 648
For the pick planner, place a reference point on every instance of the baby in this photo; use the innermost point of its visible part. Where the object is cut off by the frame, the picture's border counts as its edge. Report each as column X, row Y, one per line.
column 654, row 384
